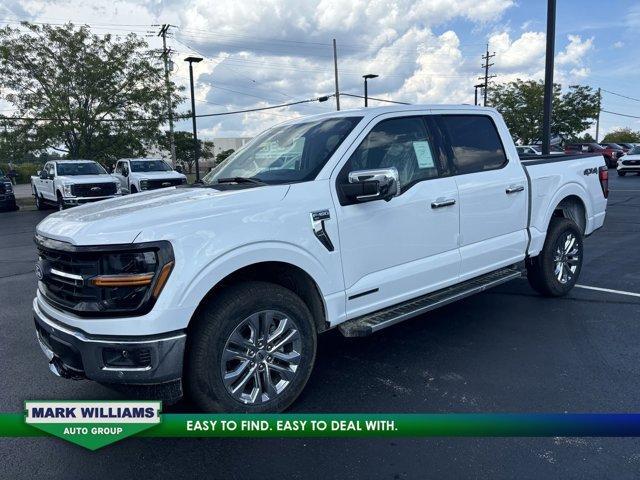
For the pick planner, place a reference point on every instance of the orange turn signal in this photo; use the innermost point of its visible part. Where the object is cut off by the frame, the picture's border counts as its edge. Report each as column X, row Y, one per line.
column 162, row 279
column 125, row 280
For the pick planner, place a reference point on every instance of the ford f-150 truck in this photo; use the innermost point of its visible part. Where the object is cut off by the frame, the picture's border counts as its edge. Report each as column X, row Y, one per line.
column 140, row 174
column 66, row 183
column 354, row 219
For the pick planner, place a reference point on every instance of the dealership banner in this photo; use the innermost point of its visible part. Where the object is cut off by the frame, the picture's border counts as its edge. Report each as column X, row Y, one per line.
column 95, row 424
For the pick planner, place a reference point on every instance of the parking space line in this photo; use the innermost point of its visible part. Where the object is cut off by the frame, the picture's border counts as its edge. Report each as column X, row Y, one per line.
column 608, row 290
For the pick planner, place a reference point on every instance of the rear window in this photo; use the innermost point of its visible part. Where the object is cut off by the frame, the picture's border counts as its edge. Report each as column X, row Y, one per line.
column 475, row 145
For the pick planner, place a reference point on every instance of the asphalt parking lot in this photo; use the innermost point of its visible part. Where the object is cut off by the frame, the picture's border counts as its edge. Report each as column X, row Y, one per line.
column 507, row 350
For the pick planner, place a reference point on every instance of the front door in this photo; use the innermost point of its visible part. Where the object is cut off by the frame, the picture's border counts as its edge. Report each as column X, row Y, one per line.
column 399, row 249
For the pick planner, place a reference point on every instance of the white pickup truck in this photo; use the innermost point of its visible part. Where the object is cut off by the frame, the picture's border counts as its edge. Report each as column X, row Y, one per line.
column 141, row 174
column 355, row 219
column 67, row 183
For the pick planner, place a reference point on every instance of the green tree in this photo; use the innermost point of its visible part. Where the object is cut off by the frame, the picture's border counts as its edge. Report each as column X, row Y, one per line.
column 625, row 135
column 184, row 148
column 222, row 156
column 98, row 97
column 521, row 104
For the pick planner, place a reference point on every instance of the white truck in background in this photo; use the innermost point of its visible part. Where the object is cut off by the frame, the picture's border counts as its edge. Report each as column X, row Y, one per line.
column 142, row 174
column 68, row 183
column 354, row 219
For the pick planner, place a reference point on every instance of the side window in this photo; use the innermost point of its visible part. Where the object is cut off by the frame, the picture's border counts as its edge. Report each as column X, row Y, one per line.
column 51, row 171
column 118, row 168
column 398, row 142
column 474, row 143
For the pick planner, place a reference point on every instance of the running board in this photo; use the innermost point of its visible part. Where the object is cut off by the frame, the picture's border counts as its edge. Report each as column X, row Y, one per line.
column 372, row 322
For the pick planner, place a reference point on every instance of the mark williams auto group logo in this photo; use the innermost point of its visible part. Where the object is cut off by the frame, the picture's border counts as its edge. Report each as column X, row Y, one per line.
column 92, row 424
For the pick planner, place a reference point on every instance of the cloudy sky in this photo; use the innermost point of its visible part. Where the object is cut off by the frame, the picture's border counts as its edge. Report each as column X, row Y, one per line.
column 265, row 52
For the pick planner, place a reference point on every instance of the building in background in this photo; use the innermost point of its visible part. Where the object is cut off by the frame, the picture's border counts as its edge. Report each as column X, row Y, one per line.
column 229, row 143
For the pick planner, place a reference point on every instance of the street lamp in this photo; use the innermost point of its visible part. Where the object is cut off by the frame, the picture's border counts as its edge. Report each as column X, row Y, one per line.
column 196, row 155
column 366, row 93
column 476, row 87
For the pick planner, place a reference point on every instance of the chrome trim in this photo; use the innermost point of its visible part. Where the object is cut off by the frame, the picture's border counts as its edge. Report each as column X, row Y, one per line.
column 83, row 338
column 388, row 182
column 70, row 276
column 515, row 189
column 443, row 203
column 126, row 369
column 317, row 225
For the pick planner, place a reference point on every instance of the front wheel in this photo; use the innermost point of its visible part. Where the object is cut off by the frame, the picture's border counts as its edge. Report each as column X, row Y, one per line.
column 621, row 174
column 251, row 350
column 556, row 269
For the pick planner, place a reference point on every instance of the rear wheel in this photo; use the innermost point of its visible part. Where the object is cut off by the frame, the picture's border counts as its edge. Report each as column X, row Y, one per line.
column 556, row 269
column 251, row 350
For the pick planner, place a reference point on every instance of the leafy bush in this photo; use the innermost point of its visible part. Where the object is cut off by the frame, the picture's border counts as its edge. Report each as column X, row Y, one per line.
column 24, row 171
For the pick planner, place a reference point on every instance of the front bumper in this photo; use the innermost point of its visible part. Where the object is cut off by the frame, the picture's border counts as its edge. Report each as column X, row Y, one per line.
column 628, row 168
column 73, row 353
column 74, row 201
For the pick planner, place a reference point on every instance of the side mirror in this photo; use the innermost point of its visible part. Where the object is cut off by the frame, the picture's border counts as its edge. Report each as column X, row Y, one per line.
column 370, row 185
column 39, row 172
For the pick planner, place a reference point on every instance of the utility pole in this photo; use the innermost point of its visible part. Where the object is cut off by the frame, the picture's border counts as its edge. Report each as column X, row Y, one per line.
column 548, row 76
column 335, row 69
column 598, row 117
column 486, row 66
column 165, row 57
column 196, row 146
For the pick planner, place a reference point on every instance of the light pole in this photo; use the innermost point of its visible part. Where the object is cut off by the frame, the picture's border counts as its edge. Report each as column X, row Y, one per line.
column 196, row 153
column 366, row 92
column 548, row 76
column 476, row 87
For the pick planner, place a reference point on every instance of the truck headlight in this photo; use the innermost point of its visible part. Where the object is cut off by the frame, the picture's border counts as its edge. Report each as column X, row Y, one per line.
column 144, row 184
column 66, row 190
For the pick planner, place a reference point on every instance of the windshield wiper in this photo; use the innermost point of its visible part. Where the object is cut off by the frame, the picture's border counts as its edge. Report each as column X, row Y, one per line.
column 241, row 180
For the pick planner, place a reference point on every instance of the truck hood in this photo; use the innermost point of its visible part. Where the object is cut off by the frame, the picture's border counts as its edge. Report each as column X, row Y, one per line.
column 82, row 179
column 161, row 214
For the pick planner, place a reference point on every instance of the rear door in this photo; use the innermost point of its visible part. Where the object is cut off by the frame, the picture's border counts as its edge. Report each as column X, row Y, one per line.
column 493, row 193
column 399, row 249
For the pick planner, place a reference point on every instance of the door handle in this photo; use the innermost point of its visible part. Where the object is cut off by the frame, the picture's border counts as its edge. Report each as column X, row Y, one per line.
column 443, row 203
column 515, row 189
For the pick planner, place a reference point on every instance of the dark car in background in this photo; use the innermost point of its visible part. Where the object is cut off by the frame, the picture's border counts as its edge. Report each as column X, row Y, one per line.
column 610, row 155
column 616, row 146
column 7, row 197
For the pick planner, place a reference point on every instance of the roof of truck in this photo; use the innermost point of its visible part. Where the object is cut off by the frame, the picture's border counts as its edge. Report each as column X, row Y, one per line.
column 372, row 112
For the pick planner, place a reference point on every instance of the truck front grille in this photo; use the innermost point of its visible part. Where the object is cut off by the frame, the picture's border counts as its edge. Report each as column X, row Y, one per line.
column 153, row 184
column 93, row 189
column 60, row 282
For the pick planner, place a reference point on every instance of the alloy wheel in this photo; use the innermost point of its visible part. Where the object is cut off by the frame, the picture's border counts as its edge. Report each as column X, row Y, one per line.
column 566, row 258
column 261, row 357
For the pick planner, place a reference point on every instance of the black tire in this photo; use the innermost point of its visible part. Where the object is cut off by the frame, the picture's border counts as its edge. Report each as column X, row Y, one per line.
column 60, row 202
column 621, row 174
column 214, row 325
column 541, row 270
column 40, row 205
column 134, row 189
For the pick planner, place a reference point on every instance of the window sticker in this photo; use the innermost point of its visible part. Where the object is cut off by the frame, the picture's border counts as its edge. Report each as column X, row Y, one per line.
column 423, row 154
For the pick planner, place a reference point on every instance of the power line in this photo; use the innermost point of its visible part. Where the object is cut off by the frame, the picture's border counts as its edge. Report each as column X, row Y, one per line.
column 373, row 98
column 318, row 99
column 620, row 114
column 620, row 95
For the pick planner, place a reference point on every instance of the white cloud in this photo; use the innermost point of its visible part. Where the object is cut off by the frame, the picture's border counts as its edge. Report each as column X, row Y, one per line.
column 618, row 44
column 575, row 51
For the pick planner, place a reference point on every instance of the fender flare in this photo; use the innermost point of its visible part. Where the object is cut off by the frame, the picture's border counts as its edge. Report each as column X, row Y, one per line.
column 568, row 190
column 246, row 255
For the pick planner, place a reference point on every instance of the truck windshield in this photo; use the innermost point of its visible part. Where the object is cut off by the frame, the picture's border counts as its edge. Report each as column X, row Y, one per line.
column 285, row 154
column 149, row 166
column 85, row 168
column 634, row 151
